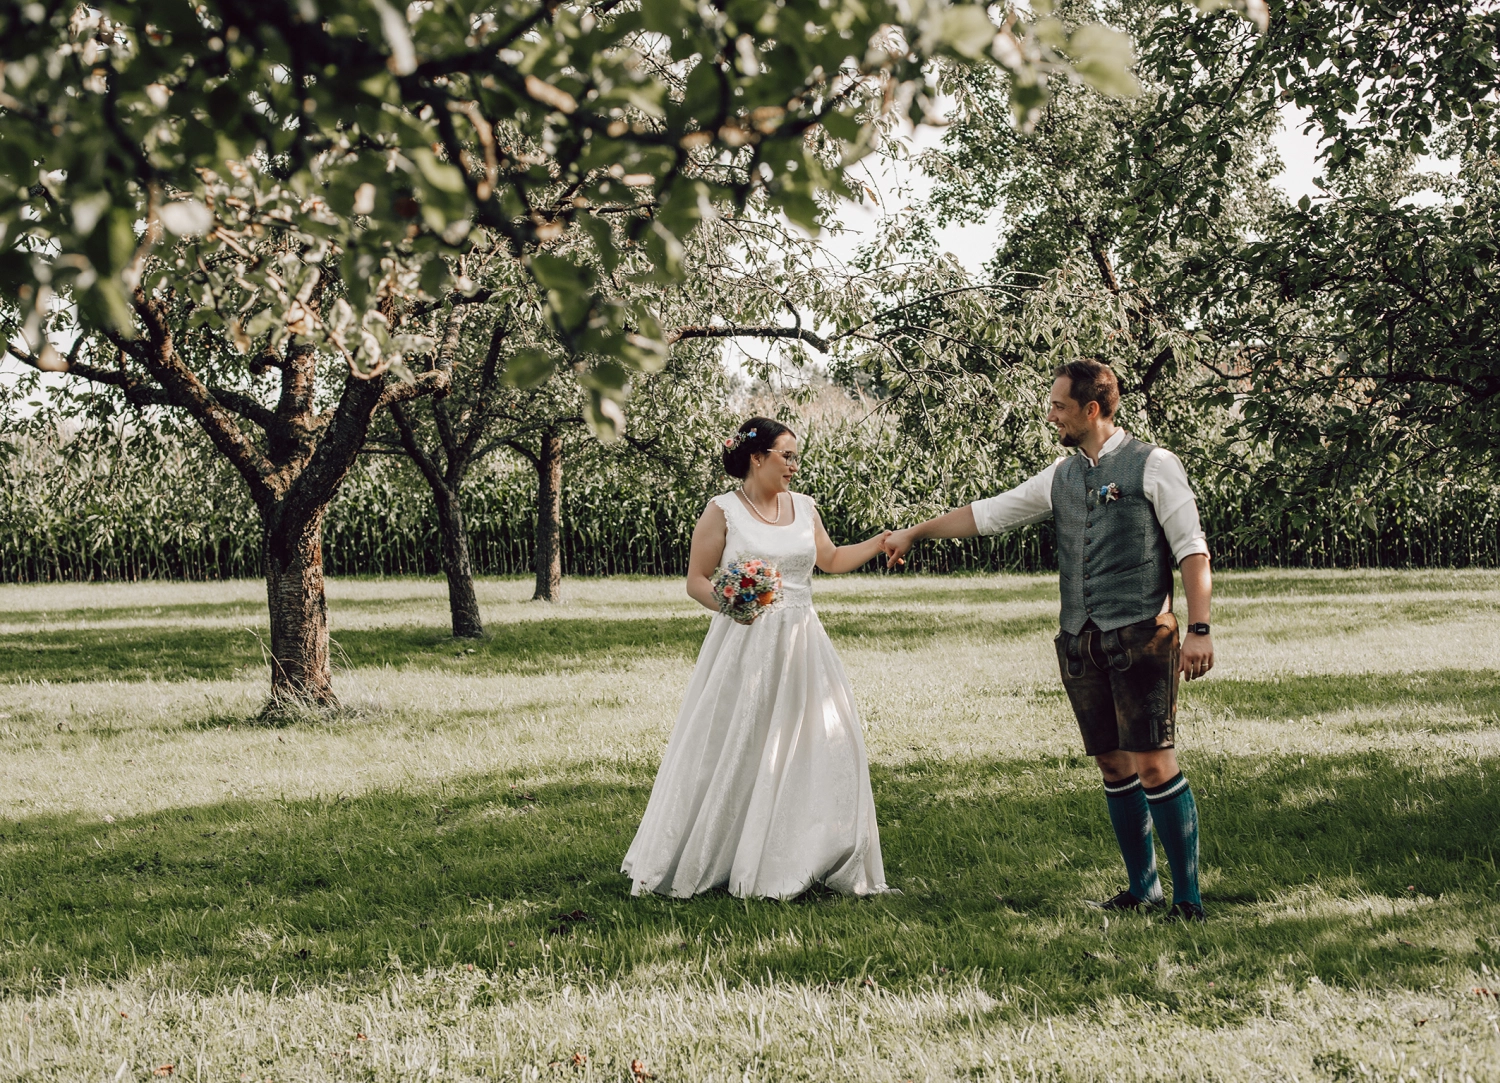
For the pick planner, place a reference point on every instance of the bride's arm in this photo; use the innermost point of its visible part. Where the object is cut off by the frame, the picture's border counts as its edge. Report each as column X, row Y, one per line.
column 703, row 557
column 837, row 559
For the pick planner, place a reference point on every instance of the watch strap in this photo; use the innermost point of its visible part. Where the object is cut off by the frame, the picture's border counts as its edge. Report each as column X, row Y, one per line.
column 1199, row 629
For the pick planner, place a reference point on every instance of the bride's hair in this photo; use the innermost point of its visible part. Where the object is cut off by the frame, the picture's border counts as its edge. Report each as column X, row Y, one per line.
column 755, row 436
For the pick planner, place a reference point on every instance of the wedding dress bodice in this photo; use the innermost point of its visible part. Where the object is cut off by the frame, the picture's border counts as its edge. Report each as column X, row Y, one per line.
column 792, row 546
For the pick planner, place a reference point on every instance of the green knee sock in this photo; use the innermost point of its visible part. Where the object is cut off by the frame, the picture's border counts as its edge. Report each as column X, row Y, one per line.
column 1175, row 815
column 1132, row 823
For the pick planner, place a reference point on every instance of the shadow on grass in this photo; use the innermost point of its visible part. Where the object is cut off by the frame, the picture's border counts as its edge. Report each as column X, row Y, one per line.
column 252, row 612
column 1362, row 870
column 564, row 643
column 886, row 592
column 936, row 592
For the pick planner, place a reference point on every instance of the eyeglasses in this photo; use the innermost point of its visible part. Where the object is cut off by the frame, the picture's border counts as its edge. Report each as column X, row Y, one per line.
column 791, row 458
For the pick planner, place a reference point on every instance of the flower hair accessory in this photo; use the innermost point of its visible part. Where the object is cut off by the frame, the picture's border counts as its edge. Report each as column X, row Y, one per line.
column 732, row 442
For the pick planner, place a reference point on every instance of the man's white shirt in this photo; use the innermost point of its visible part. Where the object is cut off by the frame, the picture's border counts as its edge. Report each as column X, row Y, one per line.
column 1166, row 487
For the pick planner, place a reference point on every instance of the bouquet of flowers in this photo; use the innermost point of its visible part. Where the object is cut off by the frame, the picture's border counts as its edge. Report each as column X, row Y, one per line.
column 746, row 588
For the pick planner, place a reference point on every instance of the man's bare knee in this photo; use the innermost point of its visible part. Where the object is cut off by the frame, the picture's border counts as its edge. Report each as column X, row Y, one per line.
column 1156, row 767
column 1115, row 765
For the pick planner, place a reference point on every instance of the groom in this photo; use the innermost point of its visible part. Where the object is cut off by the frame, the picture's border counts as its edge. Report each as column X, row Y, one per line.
column 1124, row 515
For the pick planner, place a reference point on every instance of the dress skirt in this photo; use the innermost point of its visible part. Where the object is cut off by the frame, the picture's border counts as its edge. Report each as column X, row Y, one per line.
column 764, row 787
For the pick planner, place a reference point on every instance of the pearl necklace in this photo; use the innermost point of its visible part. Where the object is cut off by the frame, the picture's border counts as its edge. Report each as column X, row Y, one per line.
column 756, row 511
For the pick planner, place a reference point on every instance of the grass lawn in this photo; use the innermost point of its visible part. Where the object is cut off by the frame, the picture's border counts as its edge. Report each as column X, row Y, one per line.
column 427, row 886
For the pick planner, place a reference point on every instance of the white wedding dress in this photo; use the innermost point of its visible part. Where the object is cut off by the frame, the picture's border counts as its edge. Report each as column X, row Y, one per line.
column 764, row 787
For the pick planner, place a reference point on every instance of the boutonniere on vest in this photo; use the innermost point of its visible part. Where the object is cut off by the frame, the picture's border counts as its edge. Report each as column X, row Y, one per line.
column 1108, row 492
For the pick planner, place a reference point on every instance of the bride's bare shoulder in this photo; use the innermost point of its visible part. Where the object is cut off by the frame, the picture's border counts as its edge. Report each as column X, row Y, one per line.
column 713, row 511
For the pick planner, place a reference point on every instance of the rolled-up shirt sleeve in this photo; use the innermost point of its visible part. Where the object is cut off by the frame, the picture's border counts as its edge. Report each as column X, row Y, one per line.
column 1166, row 487
column 1029, row 502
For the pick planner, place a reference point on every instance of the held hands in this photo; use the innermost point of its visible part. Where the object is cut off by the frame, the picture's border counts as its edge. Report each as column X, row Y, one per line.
column 896, row 544
column 1197, row 656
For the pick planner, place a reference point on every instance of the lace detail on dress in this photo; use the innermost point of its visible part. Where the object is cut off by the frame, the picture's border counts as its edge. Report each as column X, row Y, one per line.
column 792, row 547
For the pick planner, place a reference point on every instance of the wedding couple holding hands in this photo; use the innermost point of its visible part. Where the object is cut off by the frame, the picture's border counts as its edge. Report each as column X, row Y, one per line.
column 764, row 787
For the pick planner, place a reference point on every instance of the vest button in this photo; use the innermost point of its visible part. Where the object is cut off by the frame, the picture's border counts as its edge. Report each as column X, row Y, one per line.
column 1085, row 575
column 1089, row 523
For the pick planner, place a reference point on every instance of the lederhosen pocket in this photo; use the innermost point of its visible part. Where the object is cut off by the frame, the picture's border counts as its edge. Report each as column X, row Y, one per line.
column 1150, row 692
column 1116, row 653
column 1070, row 653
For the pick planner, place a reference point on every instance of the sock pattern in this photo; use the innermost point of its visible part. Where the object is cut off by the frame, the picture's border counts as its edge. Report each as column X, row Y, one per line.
column 1131, row 818
column 1175, row 814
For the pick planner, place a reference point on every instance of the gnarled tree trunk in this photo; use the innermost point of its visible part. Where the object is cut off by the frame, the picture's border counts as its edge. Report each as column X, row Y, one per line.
column 549, row 518
column 463, row 602
column 293, row 478
column 293, row 559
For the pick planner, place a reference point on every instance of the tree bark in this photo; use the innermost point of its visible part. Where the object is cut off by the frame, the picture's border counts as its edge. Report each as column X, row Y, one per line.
column 293, row 556
column 549, row 518
column 292, row 541
column 306, row 457
column 463, row 603
column 447, row 489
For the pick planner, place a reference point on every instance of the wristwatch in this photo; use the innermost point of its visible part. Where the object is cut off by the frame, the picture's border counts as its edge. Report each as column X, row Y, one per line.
column 1199, row 629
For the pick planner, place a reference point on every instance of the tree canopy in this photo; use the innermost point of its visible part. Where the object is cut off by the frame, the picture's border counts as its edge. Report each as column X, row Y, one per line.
column 1325, row 347
column 385, row 138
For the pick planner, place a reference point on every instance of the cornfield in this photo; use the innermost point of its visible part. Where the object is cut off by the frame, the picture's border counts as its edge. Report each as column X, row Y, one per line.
column 182, row 513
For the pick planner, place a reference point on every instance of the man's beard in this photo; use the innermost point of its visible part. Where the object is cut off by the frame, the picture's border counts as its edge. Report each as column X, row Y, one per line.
column 1067, row 439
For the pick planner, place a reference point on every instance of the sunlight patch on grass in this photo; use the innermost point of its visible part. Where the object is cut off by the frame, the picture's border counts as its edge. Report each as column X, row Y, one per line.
column 125, row 749
column 472, row 1024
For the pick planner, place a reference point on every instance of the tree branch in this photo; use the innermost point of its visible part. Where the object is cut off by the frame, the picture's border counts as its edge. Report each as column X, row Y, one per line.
column 185, row 390
column 311, row 489
column 818, row 342
column 488, row 378
column 427, row 308
column 138, row 393
column 432, row 382
column 442, row 361
column 521, row 449
column 1101, row 260
column 414, row 449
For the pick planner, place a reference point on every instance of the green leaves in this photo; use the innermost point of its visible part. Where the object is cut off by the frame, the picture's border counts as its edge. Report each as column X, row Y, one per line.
column 186, row 218
column 375, row 140
column 1104, row 58
column 1253, row 10
column 557, row 273
column 529, row 368
column 967, row 30
column 604, row 416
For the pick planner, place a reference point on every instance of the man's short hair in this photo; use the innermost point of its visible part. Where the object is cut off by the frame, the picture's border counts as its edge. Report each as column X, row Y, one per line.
column 1092, row 381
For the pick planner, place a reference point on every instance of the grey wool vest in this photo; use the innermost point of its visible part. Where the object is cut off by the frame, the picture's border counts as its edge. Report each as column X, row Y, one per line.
column 1115, row 562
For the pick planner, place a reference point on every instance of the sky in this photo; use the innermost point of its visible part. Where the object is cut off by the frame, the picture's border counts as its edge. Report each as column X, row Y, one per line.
column 900, row 184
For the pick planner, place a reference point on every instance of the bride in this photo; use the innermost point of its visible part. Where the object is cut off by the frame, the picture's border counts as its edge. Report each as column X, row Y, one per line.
column 764, row 786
